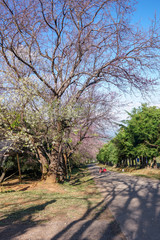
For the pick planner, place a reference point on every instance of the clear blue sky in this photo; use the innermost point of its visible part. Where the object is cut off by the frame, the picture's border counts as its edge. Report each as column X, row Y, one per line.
column 145, row 10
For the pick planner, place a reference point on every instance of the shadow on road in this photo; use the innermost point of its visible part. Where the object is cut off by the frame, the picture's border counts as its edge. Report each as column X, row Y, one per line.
column 19, row 227
column 134, row 201
column 91, row 228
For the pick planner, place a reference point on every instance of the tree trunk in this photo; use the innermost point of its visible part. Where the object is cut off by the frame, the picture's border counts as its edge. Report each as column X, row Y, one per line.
column 44, row 163
column 65, row 160
column 2, row 176
column 57, row 169
column 19, row 169
column 141, row 161
column 3, row 160
column 132, row 163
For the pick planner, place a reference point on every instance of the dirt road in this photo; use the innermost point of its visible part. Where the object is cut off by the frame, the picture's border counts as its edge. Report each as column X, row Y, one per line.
column 134, row 201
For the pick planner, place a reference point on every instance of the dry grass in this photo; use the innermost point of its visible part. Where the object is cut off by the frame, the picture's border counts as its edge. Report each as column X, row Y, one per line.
column 36, row 201
column 144, row 172
column 147, row 172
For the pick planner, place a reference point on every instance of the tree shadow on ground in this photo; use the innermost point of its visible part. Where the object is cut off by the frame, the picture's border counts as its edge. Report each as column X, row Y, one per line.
column 89, row 226
column 135, row 202
column 92, row 225
column 13, row 224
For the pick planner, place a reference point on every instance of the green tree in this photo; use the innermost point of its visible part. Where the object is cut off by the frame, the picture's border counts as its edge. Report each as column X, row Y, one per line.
column 108, row 154
column 144, row 129
column 139, row 136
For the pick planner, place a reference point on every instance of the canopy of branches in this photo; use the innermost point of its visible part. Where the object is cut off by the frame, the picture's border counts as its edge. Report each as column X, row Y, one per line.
column 55, row 55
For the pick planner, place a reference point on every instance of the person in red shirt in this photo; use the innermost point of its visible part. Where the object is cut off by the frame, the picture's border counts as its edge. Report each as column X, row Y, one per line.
column 102, row 170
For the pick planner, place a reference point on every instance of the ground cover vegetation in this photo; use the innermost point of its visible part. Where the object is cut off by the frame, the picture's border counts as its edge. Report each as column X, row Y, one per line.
column 153, row 173
column 32, row 208
column 38, row 202
column 59, row 62
column 137, row 143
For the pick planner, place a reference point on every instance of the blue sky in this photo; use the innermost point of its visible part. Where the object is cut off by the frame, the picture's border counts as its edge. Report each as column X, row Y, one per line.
column 145, row 11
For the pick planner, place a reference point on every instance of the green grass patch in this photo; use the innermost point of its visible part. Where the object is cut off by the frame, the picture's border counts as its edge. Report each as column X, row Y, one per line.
column 72, row 201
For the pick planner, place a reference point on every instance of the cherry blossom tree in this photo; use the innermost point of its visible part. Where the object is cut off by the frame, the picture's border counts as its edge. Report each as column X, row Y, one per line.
column 67, row 47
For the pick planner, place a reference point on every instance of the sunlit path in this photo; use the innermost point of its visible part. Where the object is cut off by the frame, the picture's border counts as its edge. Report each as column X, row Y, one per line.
column 134, row 201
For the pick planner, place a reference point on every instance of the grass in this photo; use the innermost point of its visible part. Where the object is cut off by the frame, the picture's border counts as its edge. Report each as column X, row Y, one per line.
column 37, row 202
column 144, row 172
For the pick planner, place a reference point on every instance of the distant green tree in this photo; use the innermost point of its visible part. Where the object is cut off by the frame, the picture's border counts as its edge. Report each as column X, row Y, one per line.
column 102, row 155
column 108, row 154
column 139, row 136
column 144, row 131
column 124, row 146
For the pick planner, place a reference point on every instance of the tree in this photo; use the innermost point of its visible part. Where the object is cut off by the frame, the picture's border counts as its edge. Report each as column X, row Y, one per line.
column 143, row 128
column 138, row 136
column 67, row 47
column 108, row 154
column 30, row 123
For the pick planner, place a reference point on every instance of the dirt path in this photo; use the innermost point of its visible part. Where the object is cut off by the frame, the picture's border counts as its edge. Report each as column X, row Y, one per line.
column 92, row 221
column 66, row 230
column 134, row 201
